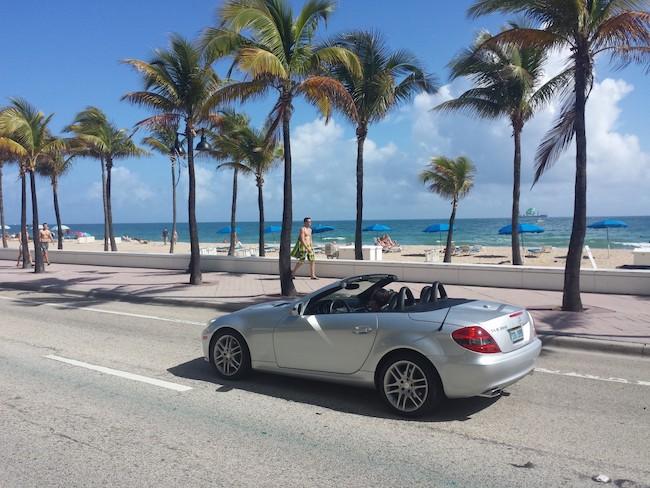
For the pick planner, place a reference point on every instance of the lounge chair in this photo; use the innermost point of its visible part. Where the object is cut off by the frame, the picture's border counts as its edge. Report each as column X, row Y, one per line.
column 535, row 251
column 475, row 249
column 331, row 250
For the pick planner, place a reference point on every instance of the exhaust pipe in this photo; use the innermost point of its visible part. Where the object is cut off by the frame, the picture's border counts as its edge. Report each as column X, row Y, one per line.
column 493, row 393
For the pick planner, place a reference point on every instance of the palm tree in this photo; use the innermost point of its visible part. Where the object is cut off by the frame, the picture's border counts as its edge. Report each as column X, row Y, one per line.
column 587, row 28
column 507, row 80
column 164, row 140
column 55, row 166
column 227, row 145
column 104, row 141
column 179, row 86
column 387, row 79
column 251, row 153
column 449, row 178
column 31, row 142
column 279, row 54
column 4, row 158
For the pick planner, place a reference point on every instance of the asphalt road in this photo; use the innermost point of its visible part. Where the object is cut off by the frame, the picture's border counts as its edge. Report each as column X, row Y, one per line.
column 62, row 424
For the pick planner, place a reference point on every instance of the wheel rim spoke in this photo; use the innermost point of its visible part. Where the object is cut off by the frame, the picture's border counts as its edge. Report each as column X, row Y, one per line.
column 405, row 386
column 228, row 355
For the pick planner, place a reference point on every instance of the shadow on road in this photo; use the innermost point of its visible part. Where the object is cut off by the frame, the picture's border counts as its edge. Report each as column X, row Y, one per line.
column 342, row 398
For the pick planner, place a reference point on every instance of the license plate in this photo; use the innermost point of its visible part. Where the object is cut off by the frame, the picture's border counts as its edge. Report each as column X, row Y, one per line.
column 516, row 334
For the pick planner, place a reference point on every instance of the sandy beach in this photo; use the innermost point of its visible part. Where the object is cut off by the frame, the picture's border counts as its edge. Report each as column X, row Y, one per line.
column 487, row 255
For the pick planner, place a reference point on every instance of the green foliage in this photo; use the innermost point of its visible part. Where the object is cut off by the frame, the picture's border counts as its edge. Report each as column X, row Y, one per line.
column 386, row 79
column 449, row 178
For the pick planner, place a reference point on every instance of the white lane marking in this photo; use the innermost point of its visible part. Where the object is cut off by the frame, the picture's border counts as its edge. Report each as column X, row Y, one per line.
column 610, row 379
column 101, row 310
column 122, row 374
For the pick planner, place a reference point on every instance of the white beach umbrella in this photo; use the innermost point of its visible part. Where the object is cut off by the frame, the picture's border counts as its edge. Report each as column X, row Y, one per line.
column 63, row 227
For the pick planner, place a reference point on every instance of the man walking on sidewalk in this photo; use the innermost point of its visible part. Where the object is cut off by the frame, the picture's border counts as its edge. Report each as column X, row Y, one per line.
column 304, row 249
column 46, row 237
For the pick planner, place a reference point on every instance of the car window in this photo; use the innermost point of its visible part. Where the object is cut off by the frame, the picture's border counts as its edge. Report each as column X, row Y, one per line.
column 351, row 295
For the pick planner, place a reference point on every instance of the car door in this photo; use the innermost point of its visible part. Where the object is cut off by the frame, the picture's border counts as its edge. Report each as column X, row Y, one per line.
column 333, row 343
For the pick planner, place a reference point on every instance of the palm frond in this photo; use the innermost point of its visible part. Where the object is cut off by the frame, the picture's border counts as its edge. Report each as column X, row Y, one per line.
column 556, row 140
column 325, row 92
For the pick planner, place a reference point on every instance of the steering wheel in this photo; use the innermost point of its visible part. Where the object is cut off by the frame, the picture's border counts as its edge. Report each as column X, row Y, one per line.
column 437, row 292
column 406, row 298
column 336, row 304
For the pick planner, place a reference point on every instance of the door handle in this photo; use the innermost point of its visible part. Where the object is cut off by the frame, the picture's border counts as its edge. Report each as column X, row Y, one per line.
column 361, row 330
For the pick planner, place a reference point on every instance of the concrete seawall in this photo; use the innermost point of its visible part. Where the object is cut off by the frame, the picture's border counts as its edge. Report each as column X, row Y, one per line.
column 631, row 282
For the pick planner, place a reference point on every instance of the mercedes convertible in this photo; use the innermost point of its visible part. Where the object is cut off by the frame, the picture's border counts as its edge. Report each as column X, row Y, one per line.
column 371, row 331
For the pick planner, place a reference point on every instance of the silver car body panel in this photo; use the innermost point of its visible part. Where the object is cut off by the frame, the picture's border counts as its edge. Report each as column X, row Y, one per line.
column 348, row 347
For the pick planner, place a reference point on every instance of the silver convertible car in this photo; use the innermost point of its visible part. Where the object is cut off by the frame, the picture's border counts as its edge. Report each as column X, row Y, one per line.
column 369, row 331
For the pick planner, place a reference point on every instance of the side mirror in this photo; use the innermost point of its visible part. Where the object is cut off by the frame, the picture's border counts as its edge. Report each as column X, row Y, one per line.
column 298, row 309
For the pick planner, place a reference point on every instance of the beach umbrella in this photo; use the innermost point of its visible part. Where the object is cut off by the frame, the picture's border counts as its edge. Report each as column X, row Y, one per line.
column 63, row 228
column 523, row 229
column 272, row 228
column 227, row 230
column 608, row 224
column 319, row 228
column 439, row 228
column 6, row 227
column 377, row 228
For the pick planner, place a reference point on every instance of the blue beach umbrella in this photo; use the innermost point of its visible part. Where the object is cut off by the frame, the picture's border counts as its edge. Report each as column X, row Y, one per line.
column 523, row 229
column 377, row 228
column 272, row 228
column 227, row 230
column 319, row 228
column 608, row 224
column 439, row 228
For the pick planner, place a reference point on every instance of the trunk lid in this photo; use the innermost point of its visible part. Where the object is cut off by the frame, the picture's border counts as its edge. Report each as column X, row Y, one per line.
column 511, row 327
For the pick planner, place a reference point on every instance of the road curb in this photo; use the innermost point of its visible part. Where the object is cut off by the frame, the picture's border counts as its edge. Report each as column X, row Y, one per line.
column 565, row 341
column 104, row 294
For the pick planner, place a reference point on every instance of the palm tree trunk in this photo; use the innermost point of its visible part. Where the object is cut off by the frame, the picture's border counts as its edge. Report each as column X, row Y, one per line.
column 2, row 212
column 109, row 208
column 101, row 161
column 260, row 206
column 450, row 234
column 286, row 281
column 233, row 214
column 27, row 260
column 571, row 300
column 362, row 132
column 38, row 254
column 195, row 256
column 171, row 241
column 57, row 213
column 516, row 190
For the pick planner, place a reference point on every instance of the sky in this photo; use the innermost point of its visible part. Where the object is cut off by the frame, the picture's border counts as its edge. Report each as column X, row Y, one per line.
column 67, row 56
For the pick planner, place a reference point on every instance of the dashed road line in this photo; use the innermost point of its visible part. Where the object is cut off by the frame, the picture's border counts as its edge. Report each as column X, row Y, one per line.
column 122, row 374
column 102, row 310
column 610, row 379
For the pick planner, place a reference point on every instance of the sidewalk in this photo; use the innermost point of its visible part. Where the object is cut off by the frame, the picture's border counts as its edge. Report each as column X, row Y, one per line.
column 609, row 322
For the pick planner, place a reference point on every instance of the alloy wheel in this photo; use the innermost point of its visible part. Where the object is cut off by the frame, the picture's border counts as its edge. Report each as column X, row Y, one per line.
column 406, row 386
column 228, row 355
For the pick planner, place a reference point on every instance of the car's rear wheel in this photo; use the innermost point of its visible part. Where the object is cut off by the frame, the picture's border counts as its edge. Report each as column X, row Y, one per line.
column 230, row 356
column 410, row 385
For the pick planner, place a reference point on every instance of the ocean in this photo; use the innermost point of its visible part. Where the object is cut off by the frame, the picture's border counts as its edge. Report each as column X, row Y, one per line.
column 556, row 233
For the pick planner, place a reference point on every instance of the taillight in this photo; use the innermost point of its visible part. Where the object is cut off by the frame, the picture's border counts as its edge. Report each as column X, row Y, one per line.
column 475, row 339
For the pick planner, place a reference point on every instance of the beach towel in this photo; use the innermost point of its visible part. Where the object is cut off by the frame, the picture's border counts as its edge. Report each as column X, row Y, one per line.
column 302, row 252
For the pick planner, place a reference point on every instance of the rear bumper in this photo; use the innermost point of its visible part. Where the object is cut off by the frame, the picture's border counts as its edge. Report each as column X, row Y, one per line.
column 482, row 374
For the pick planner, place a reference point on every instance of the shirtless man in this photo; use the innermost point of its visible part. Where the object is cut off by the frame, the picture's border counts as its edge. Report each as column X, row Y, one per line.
column 304, row 249
column 46, row 238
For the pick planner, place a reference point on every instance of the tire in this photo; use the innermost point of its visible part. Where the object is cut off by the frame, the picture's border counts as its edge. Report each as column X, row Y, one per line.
column 229, row 355
column 410, row 385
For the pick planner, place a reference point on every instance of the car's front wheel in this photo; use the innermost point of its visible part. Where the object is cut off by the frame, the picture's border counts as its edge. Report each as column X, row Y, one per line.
column 410, row 385
column 230, row 355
